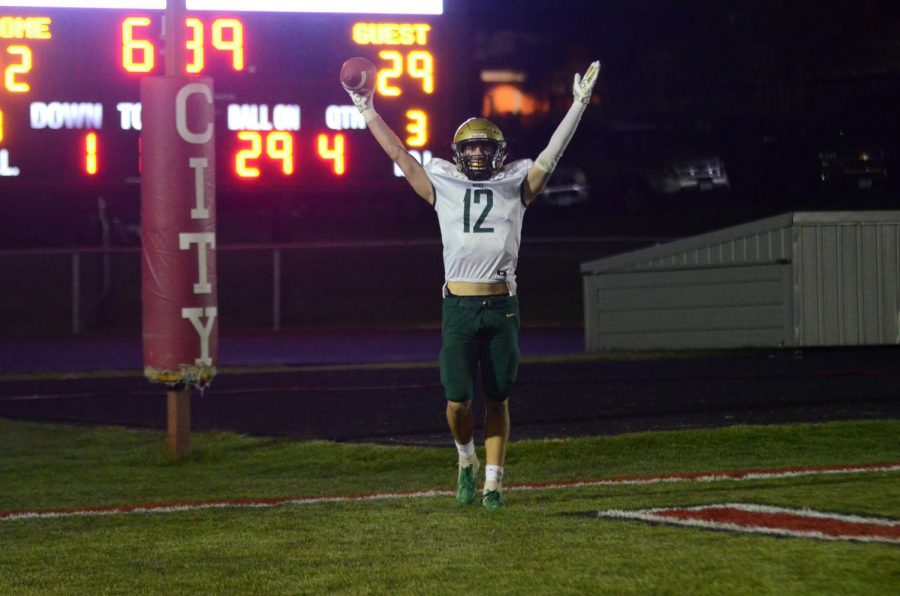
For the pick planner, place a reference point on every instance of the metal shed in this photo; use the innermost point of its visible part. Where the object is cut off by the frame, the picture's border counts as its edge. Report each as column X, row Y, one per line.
column 793, row 280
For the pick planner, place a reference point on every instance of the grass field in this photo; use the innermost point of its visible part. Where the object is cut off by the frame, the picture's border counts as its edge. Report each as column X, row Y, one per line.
column 545, row 542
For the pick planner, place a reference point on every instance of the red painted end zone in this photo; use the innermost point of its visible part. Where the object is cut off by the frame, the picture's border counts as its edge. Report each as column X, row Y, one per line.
column 771, row 520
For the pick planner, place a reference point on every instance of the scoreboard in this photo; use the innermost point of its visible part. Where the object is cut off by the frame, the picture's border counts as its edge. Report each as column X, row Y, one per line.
column 70, row 71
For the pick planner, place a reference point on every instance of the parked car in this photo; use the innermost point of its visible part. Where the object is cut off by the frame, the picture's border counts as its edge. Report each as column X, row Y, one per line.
column 568, row 185
column 677, row 173
column 645, row 167
column 847, row 163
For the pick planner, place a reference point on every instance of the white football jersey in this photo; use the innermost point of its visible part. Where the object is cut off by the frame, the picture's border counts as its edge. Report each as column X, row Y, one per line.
column 481, row 221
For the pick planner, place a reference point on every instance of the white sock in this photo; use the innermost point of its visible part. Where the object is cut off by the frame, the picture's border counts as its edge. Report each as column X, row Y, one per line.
column 493, row 477
column 467, row 451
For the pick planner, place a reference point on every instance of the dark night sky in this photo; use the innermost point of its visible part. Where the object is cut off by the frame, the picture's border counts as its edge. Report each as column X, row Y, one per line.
column 653, row 48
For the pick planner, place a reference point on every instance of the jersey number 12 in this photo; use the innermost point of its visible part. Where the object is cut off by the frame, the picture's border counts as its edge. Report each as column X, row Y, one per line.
column 480, row 193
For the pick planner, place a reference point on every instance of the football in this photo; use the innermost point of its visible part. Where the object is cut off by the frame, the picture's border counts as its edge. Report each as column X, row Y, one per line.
column 358, row 75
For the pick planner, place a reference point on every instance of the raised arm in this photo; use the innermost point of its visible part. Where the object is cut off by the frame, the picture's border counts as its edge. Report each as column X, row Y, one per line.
column 393, row 146
column 549, row 157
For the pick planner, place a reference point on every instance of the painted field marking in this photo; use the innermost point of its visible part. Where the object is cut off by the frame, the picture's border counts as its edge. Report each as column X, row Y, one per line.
column 765, row 519
column 740, row 475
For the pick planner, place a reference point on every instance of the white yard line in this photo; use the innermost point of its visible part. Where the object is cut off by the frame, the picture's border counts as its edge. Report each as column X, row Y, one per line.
column 276, row 502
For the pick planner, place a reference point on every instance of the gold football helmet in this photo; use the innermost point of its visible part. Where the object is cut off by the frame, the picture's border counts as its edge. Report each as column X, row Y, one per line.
column 478, row 131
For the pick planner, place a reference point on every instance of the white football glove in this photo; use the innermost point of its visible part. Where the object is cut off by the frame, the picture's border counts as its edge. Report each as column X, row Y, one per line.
column 362, row 102
column 583, row 87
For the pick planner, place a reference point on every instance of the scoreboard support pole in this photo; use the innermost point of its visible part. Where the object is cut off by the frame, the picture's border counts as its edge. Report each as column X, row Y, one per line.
column 175, row 36
column 178, row 400
column 178, row 241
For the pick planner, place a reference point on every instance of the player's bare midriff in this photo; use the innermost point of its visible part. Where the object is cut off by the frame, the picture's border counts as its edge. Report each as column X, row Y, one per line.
column 471, row 288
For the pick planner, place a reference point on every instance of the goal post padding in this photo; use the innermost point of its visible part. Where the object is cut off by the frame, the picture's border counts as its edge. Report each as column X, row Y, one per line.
column 178, row 231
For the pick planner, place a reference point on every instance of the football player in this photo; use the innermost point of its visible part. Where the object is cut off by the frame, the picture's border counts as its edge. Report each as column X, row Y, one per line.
column 480, row 204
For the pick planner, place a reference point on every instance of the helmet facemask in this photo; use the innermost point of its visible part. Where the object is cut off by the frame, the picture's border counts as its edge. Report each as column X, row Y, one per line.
column 477, row 164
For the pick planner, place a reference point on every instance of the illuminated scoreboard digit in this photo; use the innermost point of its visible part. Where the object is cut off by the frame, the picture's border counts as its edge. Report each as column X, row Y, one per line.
column 70, row 112
column 139, row 52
